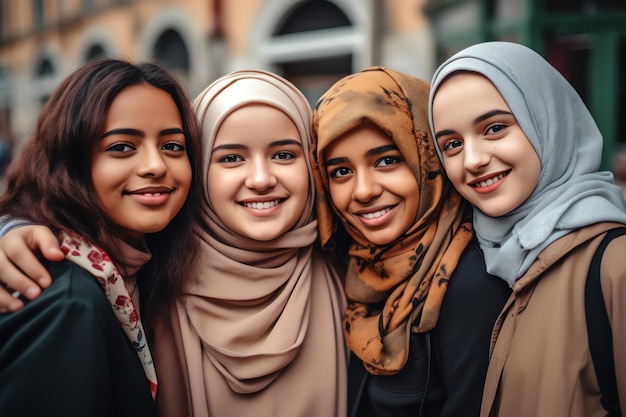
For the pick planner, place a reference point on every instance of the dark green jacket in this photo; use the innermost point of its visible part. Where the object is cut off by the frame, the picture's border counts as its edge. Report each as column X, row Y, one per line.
column 65, row 354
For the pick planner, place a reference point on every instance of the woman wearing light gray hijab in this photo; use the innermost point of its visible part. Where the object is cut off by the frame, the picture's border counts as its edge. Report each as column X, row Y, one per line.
column 517, row 142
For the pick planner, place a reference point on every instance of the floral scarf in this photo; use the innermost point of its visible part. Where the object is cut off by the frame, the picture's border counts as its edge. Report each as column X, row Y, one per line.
column 98, row 263
column 396, row 288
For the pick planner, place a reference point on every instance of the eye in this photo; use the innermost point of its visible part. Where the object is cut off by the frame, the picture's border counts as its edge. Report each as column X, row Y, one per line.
column 495, row 128
column 284, row 155
column 231, row 158
column 448, row 145
column 173, row 146
column 340, row 172
column 388, row 161
column 121, row 147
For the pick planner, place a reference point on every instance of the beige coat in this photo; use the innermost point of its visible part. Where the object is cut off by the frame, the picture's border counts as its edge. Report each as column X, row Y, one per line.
column 540, row 361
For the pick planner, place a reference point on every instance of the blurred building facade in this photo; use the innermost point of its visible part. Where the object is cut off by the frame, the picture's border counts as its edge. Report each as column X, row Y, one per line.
column 311, row 42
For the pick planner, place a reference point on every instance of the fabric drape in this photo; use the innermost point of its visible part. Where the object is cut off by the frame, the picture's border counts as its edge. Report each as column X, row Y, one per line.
column 260, row 321
column 400, row 286
column 571, row 193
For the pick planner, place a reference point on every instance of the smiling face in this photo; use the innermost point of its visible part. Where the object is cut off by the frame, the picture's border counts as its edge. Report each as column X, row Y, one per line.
column 371, row 185
column 486, row 155
column 258, row 181
column 140, row 170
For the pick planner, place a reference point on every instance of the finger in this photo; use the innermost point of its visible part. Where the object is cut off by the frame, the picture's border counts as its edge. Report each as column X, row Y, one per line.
column 21, row 247
column 12, row 277
column 41, row 238
column 8, row 302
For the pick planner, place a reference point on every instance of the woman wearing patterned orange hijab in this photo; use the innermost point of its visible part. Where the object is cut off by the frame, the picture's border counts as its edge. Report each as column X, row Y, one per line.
column 414, row 271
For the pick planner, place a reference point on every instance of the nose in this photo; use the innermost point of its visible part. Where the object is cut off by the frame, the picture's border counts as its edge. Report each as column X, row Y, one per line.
column 152, row 163
column 476, row 155
column 261, row 177
column 366, row 188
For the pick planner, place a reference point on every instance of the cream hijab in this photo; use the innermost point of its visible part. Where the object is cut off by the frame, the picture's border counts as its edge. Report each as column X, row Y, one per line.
column 262, row 318
column 571, row 193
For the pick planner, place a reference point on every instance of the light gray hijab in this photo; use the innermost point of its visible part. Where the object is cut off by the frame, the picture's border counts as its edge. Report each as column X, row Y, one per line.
column 570, row 192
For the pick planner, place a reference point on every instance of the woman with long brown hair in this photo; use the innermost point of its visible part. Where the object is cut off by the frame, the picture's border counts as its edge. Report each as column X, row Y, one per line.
column 113, row 169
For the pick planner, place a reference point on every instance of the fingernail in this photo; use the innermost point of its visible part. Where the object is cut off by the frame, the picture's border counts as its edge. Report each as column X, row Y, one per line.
column 31, row 292
column 14, row 306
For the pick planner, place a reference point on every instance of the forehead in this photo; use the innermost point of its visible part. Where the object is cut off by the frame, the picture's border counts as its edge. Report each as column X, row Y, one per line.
column 358, row 142
column 143, row 103
column 256, row 124
column 466, row 93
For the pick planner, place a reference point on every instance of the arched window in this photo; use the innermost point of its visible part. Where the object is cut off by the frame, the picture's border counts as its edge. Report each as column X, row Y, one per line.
column 94, row 52
column 171, row 51
column 316, row 74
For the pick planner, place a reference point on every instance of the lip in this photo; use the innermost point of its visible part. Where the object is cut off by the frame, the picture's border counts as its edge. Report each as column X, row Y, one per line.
column 152, row 196
column 488, row 183
column 262, row 206
column 374, row 216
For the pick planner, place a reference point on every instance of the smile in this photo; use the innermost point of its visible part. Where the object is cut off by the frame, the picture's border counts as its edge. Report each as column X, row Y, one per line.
column 376, row 214
column 488, row 182
column 261, row 205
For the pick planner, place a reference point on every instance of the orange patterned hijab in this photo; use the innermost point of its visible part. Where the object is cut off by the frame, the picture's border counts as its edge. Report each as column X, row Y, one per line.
column 396, row 288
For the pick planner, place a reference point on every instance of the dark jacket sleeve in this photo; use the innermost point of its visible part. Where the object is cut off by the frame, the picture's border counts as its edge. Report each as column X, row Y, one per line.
column 470, row 308
column 65, row 354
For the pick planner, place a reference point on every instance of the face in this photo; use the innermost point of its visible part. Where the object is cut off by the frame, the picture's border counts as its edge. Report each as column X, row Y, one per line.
column 258, row 181
column 371, row 185
column 140, row 169
column 486, row 155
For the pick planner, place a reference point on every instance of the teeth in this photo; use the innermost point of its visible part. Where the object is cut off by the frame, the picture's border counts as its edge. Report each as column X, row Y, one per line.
column 152, row 194
column 376, row 214
column 489, row 181
column 261, row 206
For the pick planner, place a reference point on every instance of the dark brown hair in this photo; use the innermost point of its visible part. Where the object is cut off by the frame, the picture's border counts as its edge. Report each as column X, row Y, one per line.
column 51, row 182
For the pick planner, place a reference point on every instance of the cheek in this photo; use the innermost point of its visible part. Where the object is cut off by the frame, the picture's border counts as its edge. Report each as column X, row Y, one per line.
column 99, row 179
column 215, row 185
column 411, row 194
column 454, row 171
column 339, row 196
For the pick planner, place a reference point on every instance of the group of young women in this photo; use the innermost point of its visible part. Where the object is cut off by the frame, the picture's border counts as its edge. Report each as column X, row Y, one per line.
column 342, row 262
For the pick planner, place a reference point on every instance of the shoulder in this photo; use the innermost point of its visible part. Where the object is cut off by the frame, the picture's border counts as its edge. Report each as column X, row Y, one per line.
column 612, row 267
column 72, row 287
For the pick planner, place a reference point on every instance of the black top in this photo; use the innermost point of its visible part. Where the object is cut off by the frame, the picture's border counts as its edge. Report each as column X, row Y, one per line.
column 449, row 363
column 65, row 354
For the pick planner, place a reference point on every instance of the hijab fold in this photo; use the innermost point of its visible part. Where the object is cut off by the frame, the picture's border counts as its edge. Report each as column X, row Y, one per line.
column 249, row 319
column 396, row 288
column 570, row 192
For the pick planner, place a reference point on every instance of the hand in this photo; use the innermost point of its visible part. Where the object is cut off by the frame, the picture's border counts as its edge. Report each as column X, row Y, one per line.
column 20, row 269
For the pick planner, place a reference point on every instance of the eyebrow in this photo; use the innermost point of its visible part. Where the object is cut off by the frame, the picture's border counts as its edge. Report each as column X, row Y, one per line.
column 490, row 114
column 477, row 120
column 275, row 144
column 371, row 152
column 135, row 132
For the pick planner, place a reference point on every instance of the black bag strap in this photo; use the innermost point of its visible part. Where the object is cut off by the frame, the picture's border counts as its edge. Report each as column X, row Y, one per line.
column 599, row 329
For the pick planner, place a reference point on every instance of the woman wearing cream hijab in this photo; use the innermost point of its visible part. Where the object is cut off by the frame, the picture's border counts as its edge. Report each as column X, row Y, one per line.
column 260, row 322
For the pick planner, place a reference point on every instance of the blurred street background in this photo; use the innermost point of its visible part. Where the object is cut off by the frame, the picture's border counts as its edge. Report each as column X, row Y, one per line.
column 311, row 42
